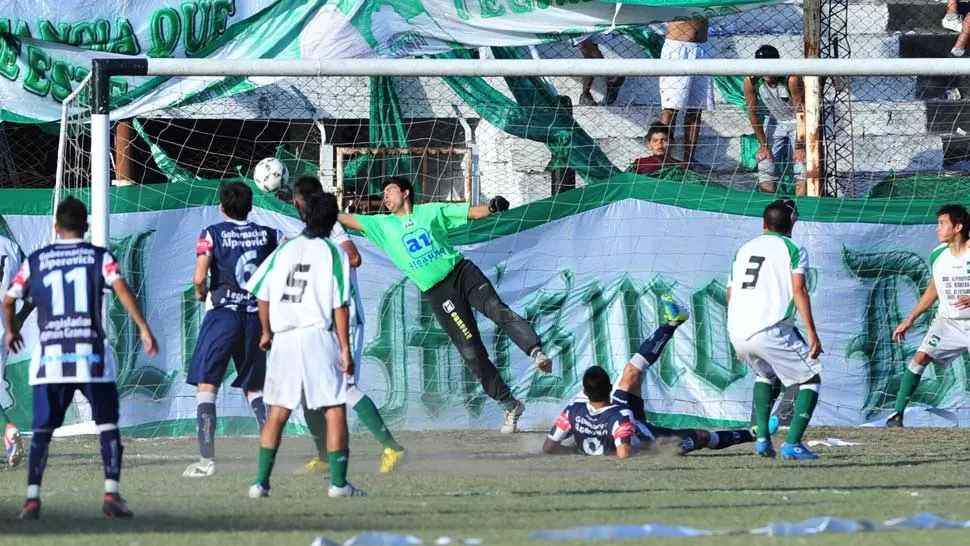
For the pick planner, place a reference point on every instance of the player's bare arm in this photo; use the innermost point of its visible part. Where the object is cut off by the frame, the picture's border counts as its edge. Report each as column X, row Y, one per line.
column 754, row 117
column 25, row 310
column 13, row 341
column 266, row 340
column 925, row 302
column 552, row 447
column 624, row 451
column 341, row 320
column 797, row 90
column 200, row 277
column 353, row 255
column 962, row 302
column 127, row 299
column 495, row 204
column 804, row 305
column 350, row 222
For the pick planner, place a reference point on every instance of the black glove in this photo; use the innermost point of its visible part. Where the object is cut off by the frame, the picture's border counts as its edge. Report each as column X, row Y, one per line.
column 498, row 204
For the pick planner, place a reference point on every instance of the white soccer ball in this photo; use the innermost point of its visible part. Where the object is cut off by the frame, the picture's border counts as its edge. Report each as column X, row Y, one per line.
column 270, row 174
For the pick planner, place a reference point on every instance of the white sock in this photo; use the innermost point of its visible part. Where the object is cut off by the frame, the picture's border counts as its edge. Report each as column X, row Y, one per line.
column 957, row 52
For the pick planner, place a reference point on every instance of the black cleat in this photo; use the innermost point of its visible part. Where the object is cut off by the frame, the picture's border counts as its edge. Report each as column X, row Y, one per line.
column 895, row 421
column 115, row 506
column 31, row 509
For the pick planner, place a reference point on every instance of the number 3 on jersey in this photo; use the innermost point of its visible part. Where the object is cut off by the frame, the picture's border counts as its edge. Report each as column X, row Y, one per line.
column 418, row 242
column 755, row 263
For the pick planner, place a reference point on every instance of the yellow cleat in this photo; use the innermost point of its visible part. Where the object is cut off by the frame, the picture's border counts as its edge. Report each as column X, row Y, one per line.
column 391, row 458
column 316, row 465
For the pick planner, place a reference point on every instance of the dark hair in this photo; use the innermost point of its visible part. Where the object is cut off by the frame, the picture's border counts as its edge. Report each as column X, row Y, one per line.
column 767, row 52
column 957, row 215
column 596, row 384
column 236, row 199
column 72, row 216
column 306, row 186
column 658, row 128
column 789, row 204
column 402, row 183
column 778, row 217
column 319, row 214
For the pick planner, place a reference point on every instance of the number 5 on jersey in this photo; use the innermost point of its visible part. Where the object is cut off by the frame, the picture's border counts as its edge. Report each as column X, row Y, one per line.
column 295, row 286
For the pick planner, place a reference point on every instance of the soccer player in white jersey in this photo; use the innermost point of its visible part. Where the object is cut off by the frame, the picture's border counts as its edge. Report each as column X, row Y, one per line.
column 66, row 282
column 948, row 336
column 766, row 286
column 13, row 447
column 363, row 406
column 303, row 293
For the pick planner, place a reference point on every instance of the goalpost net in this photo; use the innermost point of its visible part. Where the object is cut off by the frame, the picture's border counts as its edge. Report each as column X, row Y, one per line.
column 586, row 267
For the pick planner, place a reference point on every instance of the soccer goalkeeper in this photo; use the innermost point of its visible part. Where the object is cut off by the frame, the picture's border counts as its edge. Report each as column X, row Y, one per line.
column 415, row 238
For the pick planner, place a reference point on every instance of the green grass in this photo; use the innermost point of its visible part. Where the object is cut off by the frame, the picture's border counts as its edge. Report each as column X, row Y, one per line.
column 497, row 488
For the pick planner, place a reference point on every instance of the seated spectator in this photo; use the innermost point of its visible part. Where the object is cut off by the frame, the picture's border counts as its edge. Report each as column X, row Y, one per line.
column 957, row 21
column 657, row 142
column 589, row 47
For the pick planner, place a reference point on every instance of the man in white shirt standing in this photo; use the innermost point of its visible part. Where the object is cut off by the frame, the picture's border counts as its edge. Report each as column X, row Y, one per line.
column 767, row 285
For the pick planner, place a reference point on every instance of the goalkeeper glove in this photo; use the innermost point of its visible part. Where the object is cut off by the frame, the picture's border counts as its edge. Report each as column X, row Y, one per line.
column 498, row 204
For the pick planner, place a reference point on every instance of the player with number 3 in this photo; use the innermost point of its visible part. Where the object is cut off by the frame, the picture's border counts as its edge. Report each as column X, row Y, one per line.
column 766, row 286
column 227, row 255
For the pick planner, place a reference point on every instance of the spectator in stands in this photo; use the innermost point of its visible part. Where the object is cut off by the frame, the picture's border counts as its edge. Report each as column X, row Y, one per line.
column 957, row 21
column 783, row 130
column 657, row 142
column 589, row 46
column 692, row 94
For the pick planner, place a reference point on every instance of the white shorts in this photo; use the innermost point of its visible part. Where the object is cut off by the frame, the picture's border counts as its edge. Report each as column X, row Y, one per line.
column 778, row 351
column 304, row 369
column 946, row 340
column 683, row 92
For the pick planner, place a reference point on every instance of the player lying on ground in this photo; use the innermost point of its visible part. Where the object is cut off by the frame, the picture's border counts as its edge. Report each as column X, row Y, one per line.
column 948, row 336
column 362, row 404
column 605, row 424
column 227, row 254
column 303, row 290
column 66, row 282
column 766, row 286
column 415, row 238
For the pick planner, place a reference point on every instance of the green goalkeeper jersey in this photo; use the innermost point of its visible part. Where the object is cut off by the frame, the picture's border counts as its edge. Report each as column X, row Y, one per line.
column 418, row 243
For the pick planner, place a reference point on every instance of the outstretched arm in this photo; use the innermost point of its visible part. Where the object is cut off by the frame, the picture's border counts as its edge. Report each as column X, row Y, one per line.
column 350, row 222
column 495, row 204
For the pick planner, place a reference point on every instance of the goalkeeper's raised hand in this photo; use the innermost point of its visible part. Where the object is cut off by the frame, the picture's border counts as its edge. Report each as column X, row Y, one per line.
column 498, row 204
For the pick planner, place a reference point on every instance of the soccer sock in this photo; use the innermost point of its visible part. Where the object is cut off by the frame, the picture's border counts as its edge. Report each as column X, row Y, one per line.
column 316, row 423
column 111, row 451
column 804, row 407
column 651, row 349
column 206, row 416
column 911, row 379
column 267, row 458
column 764, row 397
column 256, row 402
column 339, row 460
column 371, row 418
column 37, row 461
column 721, row 439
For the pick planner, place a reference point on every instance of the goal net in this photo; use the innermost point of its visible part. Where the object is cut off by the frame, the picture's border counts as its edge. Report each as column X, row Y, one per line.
column 586, row 251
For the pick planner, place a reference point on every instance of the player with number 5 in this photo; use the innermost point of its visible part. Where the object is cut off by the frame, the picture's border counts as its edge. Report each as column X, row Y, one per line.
column 766, row 286
column 415, row 238
column 227, row 255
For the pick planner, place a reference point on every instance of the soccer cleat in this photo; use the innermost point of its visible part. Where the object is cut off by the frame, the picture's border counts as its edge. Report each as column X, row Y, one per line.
column 952, row 21
column 316, row 465
column 764, row 448
column 115, row 507
column 512, row 415
column 346, row 491
column 672, row 312
column 257, row 491
column 895, row 420
column 543, row 362
column 13, row 447
column 201, row 469
column 797, row 452
column 31, row 509
column 391, row 458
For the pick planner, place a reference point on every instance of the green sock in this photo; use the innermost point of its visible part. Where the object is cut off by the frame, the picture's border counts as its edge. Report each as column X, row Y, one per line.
column 368, row 414
column 906, row 390
column 338, row 467
column 764, row 397
column 267, row 457
column 3, row 420
column 804, row 407
column 317, row 424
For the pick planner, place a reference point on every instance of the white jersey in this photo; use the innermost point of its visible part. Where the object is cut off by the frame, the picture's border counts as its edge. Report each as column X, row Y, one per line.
column 9, row 266
column 761, row 285
column 339, row 236
column 952, row 277
column 303, row 280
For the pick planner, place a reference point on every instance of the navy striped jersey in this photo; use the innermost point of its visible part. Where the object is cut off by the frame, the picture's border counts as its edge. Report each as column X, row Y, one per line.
column 597, row 431
column 237, row 249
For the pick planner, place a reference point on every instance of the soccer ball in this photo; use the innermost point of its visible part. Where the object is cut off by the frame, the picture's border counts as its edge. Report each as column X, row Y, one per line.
column 270, row 174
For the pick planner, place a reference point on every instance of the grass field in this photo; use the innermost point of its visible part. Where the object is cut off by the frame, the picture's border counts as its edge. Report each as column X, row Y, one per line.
column 496, row 488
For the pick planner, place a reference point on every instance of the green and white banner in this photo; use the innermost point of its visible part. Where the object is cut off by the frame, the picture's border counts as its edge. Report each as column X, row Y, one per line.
column 586, row 274
column 46, row 46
